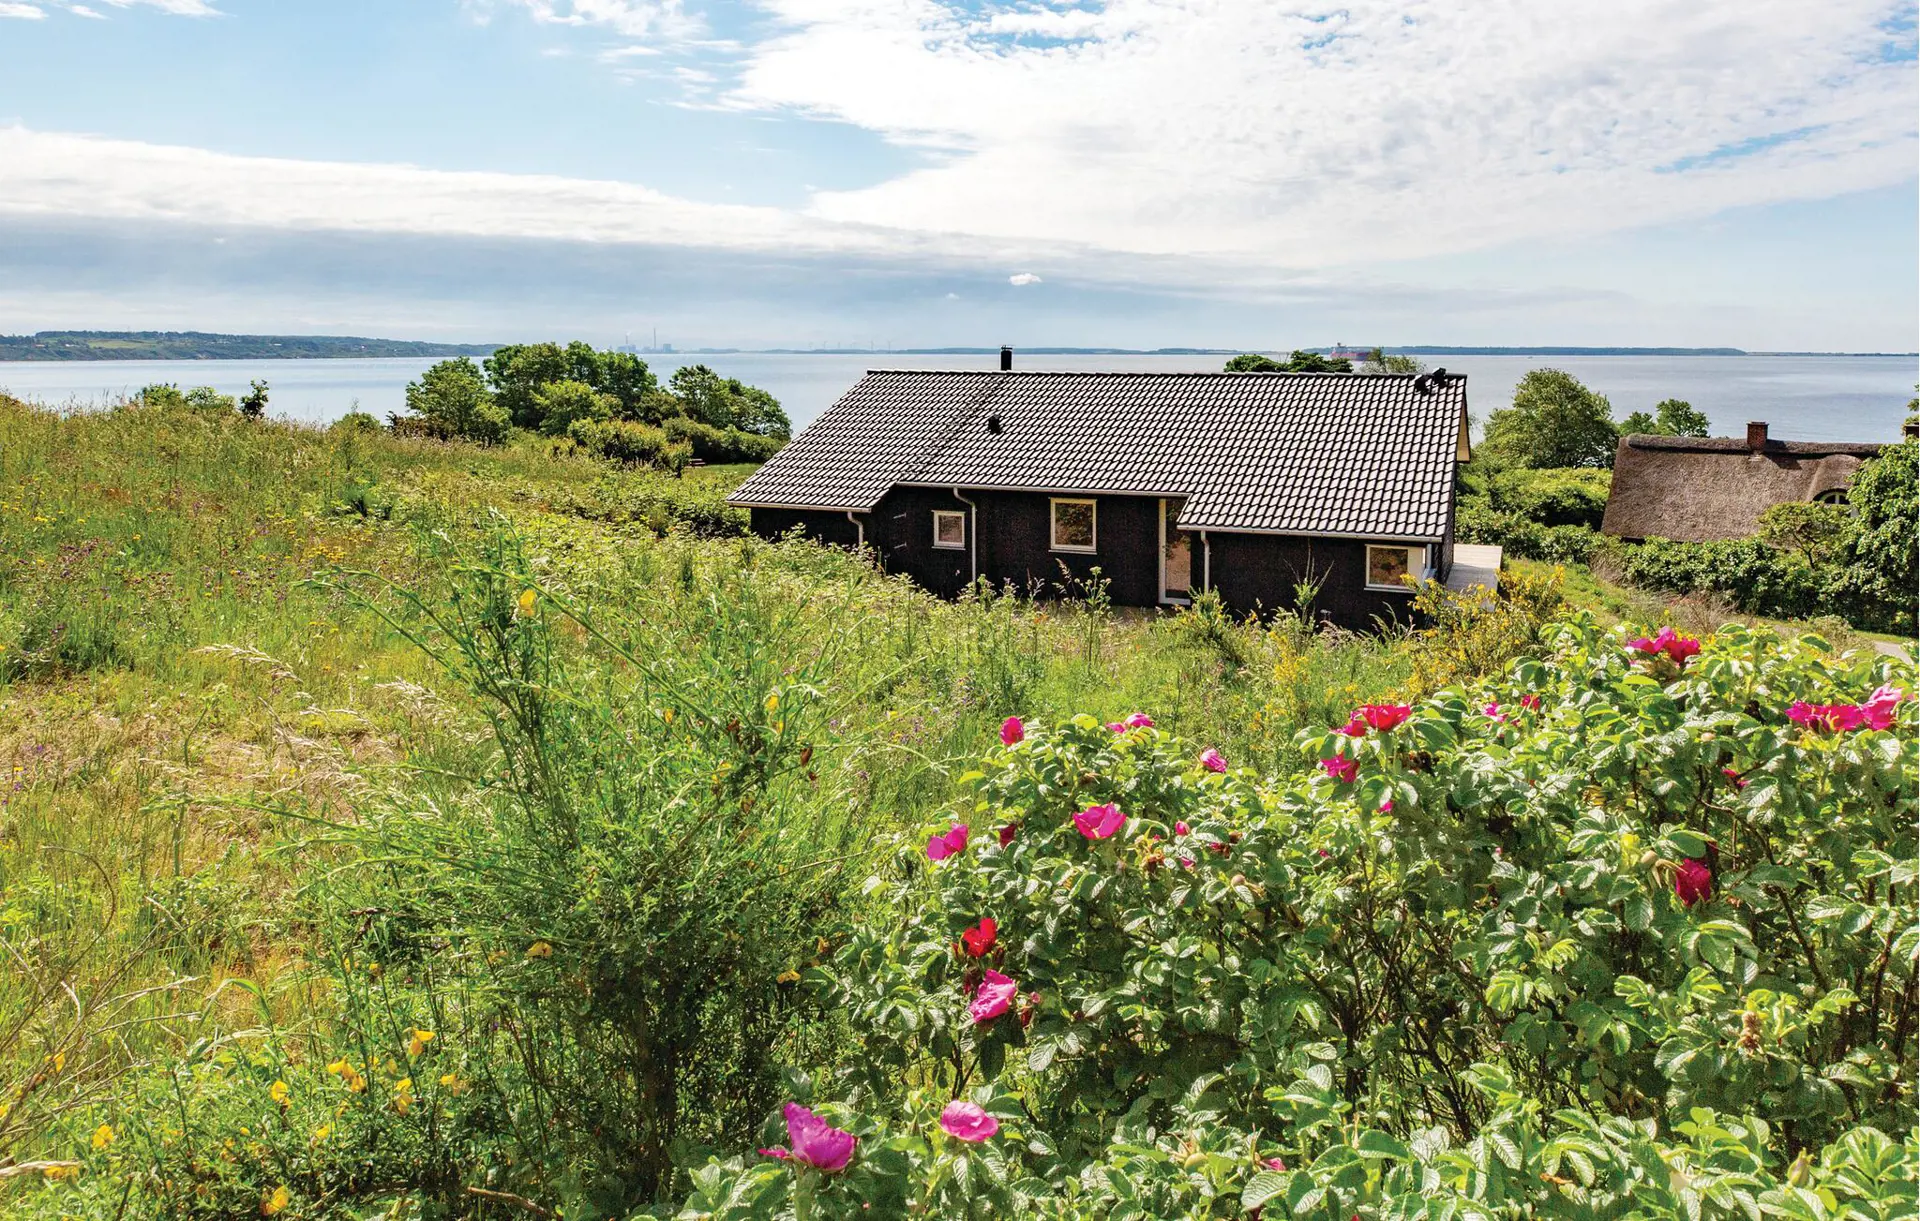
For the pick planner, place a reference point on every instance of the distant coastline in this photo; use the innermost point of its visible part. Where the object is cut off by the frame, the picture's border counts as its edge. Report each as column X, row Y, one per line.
column 202, row 345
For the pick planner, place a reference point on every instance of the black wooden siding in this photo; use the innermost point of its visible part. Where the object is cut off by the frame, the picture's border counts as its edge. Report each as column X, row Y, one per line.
column 1011, row 533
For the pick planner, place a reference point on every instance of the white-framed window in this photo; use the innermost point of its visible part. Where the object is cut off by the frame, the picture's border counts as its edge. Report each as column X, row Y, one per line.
column 1387, row 564
column 950, row 529
column 1073, row 524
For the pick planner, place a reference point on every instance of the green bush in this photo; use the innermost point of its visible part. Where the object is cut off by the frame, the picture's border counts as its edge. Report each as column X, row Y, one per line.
column 630, row 444
column 710, row 444
column 1753, row 577
column 1613, row 936
column 1566, row 496
column 1477, row 521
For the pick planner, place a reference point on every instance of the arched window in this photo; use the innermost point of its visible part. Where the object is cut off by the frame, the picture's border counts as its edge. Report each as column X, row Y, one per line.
column 1832, row 496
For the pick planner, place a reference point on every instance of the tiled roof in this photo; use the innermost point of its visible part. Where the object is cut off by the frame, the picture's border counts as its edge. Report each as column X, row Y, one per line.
column 1307, row 453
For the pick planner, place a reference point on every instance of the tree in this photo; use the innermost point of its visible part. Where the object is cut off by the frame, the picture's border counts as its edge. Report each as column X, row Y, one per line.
column 518, row 371
column 1669, row 418
column 1809, row 530
column 519, row 374
column 453, row 398
column 1379, row 362
column 253, row 404
column 1299, row 362
column 1554, row 421
column 561, row 403
column 1253, row 362
column 726, row 402
column 1883, row 569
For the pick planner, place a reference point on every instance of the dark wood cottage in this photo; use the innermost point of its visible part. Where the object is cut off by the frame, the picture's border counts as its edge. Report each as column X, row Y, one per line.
column 1245, row 483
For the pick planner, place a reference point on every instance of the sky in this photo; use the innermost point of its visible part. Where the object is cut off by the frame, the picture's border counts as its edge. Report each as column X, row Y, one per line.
column 894, row 173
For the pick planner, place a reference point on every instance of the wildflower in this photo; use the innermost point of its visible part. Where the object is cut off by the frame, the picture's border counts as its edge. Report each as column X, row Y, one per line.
column 1692, row 881
column 940, row 847
column 1275, row 1163
column 279, row 1092
column 1211, row 760
column 992, row 997
column 1012, row 730
column 56, row 1171
column 1530, row 702
column 417, row 1041
column 103, row 1136
column 1386, row 805
column 1116, row 727
column 814, row 1141
column 773, row 701
column 968, row 1122
column 788, row 976
column 1668, row 643
column 1099, row 822
column 321, row 1133
column 275, row 1204
column 1181, row 828
column 540, row 949
column 1186, row 862
column 452, row 1084
column 349, row 1076
column 1382, row 717
column 527, row 597
column 1139, row 720
column 980, row 939
column 1493, row 713
column 1340, row 767
column 1739, row 781
column 1355, row 727
column 1882, row 708
column 1827, row 718
column 1007, row 833
column 403, row 1094
column 777, row 1151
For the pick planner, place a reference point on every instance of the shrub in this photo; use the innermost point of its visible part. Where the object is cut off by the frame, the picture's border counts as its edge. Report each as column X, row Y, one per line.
column 1478, row 522
column 1611, row 936
column 203, row 399
column 1754, row 578
column 630, row 444
column 1555, row 497
column 356, row 421
column 710, row 444
column 451, row 401
column 562, row 403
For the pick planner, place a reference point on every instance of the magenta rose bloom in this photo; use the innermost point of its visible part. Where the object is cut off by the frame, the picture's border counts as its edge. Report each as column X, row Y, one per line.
column 1099, row 822
column 1012, row 730
column 1181, row 828
column 1384, row 716
column 815, row 1142
column 966, row 1121
column 940, row 847
column 1530, row 702
column 1212, row 760
column 1139, row 720
column 1693, row 881
column 1340, row 767
column 992, row 997
column 1882, row 708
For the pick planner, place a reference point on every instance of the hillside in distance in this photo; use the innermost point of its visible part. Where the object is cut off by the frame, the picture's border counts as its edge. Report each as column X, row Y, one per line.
column 200, row 345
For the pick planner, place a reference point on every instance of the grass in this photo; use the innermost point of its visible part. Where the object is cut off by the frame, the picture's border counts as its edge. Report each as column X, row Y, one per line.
column 209, row 656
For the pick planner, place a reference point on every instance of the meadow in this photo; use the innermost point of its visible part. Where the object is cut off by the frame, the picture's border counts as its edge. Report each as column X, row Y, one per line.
column 395, row 827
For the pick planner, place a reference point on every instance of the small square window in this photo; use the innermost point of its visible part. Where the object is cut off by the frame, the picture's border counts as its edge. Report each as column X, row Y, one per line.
column 1073, row 525
column 950, row 530
column 1387, row 565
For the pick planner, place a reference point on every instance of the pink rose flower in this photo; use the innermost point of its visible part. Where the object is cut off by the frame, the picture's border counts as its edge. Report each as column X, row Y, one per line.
column 1693, row 881
column 1493, row 713
column 1675, row 647
column 992, row 997
column 1212, row 760
column 968, row 1122
column 1739, row 781
column 1340, row 767
column 1012, row 730
column 1882, row 708
column 1181, row 828
column 776, row 1151
column 1384, row 716
column 1007, row 833
column 1139, row 720
column 1116, row 726
column 1355, row 727
column 1099, row 822
column 1186, row 862
column 1276, row 1163
column 1827, row 718
column 1530, row 702
column 940, row 847
column 815, row 1142
column 1386, row 805
column 980, row 939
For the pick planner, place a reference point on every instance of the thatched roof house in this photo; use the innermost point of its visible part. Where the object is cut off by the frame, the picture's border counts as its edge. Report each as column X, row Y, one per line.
column 1695, row 489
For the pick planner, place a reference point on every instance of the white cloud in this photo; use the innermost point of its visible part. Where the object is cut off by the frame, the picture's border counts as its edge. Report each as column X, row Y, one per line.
column 627, row 18
column 180, row 8
column 26, row 12
column 81, row 10
column 1379, row 130
column 1022, row 279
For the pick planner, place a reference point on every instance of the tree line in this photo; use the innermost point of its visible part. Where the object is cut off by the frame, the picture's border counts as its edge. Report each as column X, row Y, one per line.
column 607, row 403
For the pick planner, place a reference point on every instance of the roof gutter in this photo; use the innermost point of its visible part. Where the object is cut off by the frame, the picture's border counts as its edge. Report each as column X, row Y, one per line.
column 973, row 535
column 1206, row 561
column 859, row 530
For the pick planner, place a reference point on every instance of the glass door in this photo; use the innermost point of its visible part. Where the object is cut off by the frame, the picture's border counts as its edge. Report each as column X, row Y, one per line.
column 1176, row 556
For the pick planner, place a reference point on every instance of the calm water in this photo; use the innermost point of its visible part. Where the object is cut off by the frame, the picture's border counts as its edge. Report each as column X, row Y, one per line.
column 1860, row 398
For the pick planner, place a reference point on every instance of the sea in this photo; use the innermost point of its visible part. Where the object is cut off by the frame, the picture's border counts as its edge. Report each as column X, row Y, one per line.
column 1805, row 398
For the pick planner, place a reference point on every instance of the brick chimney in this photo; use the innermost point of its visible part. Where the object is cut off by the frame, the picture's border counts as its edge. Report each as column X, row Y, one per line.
column 1756, row 435
column 1006, row 358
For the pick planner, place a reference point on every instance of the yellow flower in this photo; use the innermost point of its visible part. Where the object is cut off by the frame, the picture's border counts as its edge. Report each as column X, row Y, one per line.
column 667, row 715
column 59, row 1060
column 103, row 1136
column 278, row 1091
column 787, row 977
column 539, row 949
column 275, row 1204
column 773, row 701
column 61, row 1170
column 526, row 602
column 452, row 1084
column 418, row 1042
column 322, row 1132
column 403, row 1094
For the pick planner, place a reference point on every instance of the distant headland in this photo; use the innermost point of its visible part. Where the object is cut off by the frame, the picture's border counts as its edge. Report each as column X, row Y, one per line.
column 204, row 345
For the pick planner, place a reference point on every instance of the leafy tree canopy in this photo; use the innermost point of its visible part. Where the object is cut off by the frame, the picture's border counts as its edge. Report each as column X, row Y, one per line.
column 1299, row 362
column 452, row 398
column 1669, row 418
column 1554, row 422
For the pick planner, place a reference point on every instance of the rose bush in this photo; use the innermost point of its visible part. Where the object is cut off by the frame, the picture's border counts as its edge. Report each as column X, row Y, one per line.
column 1639, row 944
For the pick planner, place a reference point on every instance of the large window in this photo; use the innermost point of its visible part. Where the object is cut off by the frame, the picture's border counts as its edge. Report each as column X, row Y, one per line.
column 1387, row 565
column 950, row 529
column 1073, row 524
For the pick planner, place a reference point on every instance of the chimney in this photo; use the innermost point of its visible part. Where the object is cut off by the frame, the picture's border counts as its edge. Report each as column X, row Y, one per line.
column 1006, row 358
column 1756, row 435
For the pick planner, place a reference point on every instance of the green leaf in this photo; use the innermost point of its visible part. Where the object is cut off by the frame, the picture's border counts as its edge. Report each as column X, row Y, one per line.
column 1261, row 1188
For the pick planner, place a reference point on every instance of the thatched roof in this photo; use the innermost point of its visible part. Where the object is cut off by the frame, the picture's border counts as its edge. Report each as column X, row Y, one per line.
column 1694, row 489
